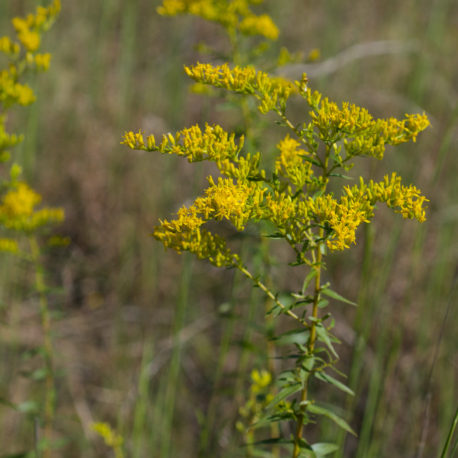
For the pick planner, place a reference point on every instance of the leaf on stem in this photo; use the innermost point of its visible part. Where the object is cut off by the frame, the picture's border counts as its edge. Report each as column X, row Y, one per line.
column 323, row 335
column 311, row 275
column 324, row 448
column 330, row 293
column 298, row 336
column 329, row 379
column 318, row 410
column 283, row 394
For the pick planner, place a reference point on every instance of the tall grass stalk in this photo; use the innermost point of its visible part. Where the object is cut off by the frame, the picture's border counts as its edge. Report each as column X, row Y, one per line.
column 140, row 429
column 172, row 395
column 449, row 438
column 47, row 348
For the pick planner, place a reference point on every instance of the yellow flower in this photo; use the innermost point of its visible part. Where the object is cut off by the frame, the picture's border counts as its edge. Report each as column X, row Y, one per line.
column 232, row 14
column 17, row 210
column 7, row 46
column 42, row 61
column 9, row 245
column 259, row 25
column 20, row 201
column 272, row 92
column 291, row 164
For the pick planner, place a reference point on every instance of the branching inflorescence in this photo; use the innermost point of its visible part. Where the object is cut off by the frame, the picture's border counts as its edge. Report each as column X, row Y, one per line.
column 292, row 197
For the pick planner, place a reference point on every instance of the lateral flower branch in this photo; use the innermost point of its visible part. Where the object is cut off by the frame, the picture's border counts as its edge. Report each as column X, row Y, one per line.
column 293, row 197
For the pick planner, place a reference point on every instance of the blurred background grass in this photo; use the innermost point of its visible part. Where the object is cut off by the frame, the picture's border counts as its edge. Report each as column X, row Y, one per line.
column 153, row 342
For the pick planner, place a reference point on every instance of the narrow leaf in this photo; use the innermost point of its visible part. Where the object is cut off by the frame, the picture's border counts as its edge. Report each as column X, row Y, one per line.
column 311, row 275
column 307, row 454
column 273, row 441
column 330, row 293
column 283, row 394
column 329, row 379
column 295, row 336
column 318, row 410
column 339, row 175
column 28, row 407
column 323, row 448
column 324, row 337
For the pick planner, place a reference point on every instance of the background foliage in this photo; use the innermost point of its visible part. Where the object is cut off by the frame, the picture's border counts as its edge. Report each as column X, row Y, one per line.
column 145, row 337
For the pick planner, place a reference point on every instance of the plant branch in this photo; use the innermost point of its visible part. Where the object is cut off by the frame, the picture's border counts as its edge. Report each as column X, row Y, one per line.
column 271, row 295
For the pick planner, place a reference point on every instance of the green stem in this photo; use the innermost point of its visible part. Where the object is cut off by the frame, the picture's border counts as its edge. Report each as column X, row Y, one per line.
column 317, row 256
column 450, row 434
column 270, row 294
column 50, row 392
column 310, row 349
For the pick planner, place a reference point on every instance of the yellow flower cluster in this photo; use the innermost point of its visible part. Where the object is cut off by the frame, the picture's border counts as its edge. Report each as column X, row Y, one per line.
column 12, row 92
column 406, row 200
column 18, row 212
column 260, row 380
column 235, row 202
column 6, row 141
column 110, row 437
column 28, row 32
column 9, row 47
column 261, row 395
column 272, row 92
column 9, row 245
column 186, row 234
column 259, row 25
column 231, row 14
column 18, row 201
column 362, row 134
column 291, row 165
column 250, row 194
column 211, row 144
column 285, row 199
column 357, row 204
column 28, row 29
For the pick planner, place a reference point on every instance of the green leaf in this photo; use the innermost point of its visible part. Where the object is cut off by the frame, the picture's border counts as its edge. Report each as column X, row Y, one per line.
column 318, row 410
column 273, row 441
column 298, row 336
column 330, row 293
column 311, row 275
column 276, row 235
column 323, row 303
column 28, row 407
column 309, row 363
column 283, row 394
column 310, row 159
column 274, row 311
column 324, row 337
column 329, row 379
column 39, row 374
column 339, row 175
column 287, row 376
column 305, row 453
column 323, row 448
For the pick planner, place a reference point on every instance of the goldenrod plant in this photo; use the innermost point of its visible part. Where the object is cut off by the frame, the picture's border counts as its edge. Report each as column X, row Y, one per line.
column 292, row 202
column 110, row 437
column 24, row 224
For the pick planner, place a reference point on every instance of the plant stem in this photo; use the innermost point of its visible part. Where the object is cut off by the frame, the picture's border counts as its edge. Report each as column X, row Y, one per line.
column 270, row 294
column 50, row 392
column 317, row 257
column 310, row 348
column 450, row 435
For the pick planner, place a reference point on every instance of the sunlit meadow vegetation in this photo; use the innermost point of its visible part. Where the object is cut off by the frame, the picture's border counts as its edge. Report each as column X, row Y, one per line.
column 155, row 354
